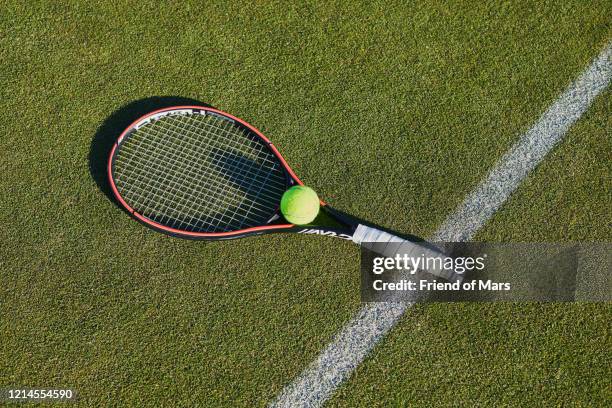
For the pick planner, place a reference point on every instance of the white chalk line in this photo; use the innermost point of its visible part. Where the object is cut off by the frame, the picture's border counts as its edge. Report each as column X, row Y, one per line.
column 350, row 346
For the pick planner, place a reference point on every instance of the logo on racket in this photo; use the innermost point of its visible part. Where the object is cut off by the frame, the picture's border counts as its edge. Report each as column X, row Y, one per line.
column 326, row 233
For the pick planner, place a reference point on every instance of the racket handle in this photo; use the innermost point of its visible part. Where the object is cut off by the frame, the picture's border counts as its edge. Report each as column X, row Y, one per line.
column 368, row 236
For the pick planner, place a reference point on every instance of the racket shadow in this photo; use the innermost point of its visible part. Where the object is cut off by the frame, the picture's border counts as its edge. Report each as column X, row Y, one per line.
column 117, row 122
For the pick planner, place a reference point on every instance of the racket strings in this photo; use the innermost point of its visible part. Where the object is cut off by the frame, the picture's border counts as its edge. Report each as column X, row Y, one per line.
column 247, row 167
column 199, row 173
column 194, row 177
column 199, row 187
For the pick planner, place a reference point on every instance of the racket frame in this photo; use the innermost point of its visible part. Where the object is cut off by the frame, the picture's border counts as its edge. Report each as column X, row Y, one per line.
column 344, row 231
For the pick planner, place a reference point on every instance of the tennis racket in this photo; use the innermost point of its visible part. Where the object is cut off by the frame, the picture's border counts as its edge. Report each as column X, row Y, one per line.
column 200, row 173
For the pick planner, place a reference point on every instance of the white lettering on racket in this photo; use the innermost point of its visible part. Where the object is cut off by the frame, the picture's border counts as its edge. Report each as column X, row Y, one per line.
column 323, row 232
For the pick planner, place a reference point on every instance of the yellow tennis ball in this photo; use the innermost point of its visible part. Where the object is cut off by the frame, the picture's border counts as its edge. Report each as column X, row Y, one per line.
column 300, row 205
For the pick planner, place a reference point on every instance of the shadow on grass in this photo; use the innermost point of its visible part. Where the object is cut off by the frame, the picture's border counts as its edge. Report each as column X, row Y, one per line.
column 116, row 123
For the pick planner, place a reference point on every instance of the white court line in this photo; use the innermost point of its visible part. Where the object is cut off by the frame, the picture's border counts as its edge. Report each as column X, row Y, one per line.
column 351, row 345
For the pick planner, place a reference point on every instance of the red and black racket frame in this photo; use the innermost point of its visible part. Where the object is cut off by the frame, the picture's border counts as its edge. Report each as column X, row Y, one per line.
column 346, row 223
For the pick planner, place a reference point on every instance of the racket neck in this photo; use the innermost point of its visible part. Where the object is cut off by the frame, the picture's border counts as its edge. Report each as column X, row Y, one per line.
column 350, row 223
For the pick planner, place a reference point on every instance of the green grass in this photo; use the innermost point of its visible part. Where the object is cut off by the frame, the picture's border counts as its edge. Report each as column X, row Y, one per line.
column 391, row 113
column 528, row 354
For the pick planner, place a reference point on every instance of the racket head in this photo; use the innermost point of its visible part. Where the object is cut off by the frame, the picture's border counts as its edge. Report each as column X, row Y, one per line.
column 200, row 173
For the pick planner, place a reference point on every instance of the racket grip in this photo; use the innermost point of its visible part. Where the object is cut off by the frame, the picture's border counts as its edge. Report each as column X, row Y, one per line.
column 372, row 238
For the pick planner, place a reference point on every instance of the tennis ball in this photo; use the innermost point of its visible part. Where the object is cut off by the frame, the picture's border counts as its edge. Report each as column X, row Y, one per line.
column 300, row 205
